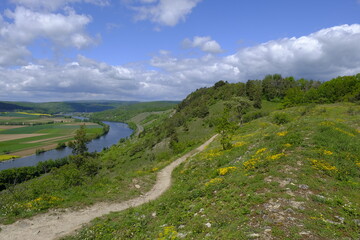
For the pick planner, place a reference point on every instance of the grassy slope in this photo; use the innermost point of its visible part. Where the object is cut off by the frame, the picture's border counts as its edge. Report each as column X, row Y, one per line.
column 299, row 180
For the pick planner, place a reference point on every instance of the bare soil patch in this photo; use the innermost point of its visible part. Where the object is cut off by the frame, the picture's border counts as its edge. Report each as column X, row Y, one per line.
column 8, row 118
column 5, row 127
column 32, row 151
column 82, row 123
column 9, row 137
column 51, row 139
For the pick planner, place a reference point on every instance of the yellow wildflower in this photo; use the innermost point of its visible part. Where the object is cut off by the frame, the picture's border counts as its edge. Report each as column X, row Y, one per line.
column 287, row 145
column 260, row 151
column 322, row 165
column 251, row 163
column 282, row 134
column 327, row 123
column 326, row 152
column 357, row 164
column 214, row 181
column 224, row 171
column 239, row 144
column 276, row 156
column 345, row 132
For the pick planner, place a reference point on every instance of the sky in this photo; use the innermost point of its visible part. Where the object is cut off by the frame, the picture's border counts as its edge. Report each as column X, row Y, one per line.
column 146, row 50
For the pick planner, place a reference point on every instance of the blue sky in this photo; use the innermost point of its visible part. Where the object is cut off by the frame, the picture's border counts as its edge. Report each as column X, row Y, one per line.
column 164, row 49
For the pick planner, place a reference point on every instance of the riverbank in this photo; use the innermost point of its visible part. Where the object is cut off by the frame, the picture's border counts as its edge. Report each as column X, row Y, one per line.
column 115, row 132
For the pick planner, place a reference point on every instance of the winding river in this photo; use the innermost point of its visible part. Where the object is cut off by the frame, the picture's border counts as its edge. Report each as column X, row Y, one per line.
column 117, row 131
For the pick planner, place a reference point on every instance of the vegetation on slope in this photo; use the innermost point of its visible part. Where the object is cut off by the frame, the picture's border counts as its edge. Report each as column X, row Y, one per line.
column 295, row 180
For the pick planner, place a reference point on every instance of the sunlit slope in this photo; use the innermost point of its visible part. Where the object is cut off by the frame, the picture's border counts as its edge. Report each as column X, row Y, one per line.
column 296, row 180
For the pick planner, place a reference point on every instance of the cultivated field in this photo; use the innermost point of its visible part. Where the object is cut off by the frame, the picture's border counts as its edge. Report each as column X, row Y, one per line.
column 21, row 134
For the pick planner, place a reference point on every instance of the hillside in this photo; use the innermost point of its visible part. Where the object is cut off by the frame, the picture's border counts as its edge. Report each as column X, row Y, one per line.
column 272, row 173
column 62, row 107
column 297, row 180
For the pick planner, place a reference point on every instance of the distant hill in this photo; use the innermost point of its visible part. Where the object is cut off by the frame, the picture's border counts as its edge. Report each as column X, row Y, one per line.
column 58, row 107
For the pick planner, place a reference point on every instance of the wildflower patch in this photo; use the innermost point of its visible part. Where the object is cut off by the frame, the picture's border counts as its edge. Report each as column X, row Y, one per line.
column 282, row 134
column 214, row 181
column 239, row 144
column 226, row 170
column 323, row 166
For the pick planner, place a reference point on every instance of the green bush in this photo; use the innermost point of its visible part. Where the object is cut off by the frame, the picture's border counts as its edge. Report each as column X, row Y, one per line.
column 280, row 118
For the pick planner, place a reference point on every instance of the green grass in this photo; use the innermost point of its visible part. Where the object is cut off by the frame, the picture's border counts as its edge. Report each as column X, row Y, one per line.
column 276, row 190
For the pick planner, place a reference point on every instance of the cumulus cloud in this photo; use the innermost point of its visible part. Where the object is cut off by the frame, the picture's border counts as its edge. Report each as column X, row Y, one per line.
column 25, row 26
column 206, row 44
column 164, row 12
column 52, row 5
column 322, row 55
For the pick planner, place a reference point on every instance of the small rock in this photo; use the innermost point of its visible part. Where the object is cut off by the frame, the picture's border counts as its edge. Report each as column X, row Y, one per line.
column 153, row 214
column 303, row 186
column 181, row 235
column 208, row 225
column 254, row 235
column 305, row 233
column 341, row 219
column 201, row 210
column 290, row 210
column 181, row 227
column 357, row 222
column 268, row 230
column 137, row 186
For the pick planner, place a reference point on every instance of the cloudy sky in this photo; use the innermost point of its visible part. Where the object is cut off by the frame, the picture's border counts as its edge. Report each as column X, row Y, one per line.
column 56, row 50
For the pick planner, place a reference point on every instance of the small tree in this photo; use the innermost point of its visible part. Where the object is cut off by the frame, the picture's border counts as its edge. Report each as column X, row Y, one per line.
column 226, row 129
column 79, row 144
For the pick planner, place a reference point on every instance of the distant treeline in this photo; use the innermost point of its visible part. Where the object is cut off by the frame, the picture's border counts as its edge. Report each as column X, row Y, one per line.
column 58, row 107
column 293, row 92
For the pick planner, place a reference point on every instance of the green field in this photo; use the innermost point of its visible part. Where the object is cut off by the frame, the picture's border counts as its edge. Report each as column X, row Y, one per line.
column 22, row 134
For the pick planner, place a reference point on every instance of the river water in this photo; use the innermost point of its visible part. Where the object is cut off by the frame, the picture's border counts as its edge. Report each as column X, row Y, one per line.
column 117, row 131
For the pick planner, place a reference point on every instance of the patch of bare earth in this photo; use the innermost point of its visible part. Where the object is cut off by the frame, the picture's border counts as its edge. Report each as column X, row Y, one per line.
column 32, row 151
column 81, row 123
column 51, row 139
column 9, row 118
column 5, row 127
column 9, row 137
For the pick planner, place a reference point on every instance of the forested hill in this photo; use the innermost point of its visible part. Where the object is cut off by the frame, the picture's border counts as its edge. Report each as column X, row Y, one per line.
column 62, row 107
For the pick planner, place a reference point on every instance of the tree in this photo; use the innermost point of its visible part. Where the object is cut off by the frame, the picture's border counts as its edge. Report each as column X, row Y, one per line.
column 226, row 129
column 79, row 144
column 254, row 92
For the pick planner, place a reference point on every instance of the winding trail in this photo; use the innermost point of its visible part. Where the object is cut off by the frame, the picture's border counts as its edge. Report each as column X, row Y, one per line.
column 59, row 223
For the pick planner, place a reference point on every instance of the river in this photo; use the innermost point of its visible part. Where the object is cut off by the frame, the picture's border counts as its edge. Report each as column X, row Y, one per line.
column 116, row 132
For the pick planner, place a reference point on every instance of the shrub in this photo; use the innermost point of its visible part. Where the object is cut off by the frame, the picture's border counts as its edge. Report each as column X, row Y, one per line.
column 280, row 118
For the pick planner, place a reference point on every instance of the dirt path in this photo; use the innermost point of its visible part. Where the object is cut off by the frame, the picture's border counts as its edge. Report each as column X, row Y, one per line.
column 57, row 224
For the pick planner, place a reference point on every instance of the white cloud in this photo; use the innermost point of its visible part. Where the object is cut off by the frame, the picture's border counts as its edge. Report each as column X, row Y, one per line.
column 66, row 30
column 52, row 5
column 24, row 26
column 321, row 55
column 206, row 44
column 164, row 12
